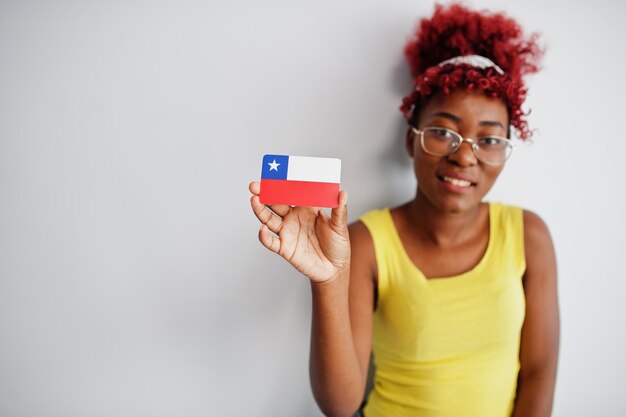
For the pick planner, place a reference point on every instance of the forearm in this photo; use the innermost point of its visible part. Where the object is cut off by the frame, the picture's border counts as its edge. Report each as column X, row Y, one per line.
column 535, row 394
column 336, row 378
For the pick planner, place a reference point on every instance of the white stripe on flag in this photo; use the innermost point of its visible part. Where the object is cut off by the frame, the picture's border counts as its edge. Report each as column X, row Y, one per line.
column 307, row 168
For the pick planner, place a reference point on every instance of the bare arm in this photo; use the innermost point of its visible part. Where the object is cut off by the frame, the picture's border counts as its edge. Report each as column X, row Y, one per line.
column 540, row 332
column 320, row 248
column 341, row 331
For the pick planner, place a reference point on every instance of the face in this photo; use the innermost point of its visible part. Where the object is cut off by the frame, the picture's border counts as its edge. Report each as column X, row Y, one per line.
column 457, row 182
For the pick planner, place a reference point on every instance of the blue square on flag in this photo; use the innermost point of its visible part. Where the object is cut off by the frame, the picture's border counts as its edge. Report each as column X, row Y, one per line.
column 275, row 167
column 300, row 181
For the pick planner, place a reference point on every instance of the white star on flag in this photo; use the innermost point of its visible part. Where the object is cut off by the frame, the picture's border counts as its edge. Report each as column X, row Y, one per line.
column 273, row 165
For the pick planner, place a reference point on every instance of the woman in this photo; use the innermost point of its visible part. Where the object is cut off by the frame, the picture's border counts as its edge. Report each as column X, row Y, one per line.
column 455, row 297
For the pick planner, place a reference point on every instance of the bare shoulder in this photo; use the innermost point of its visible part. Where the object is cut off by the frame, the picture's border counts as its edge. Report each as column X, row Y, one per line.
column 538, row 245
column 362, row 247
column 536, row 231
column 534, row 226
column 359, row 234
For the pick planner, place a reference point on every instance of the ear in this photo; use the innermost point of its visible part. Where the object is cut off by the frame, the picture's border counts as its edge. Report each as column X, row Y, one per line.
column 410, row 141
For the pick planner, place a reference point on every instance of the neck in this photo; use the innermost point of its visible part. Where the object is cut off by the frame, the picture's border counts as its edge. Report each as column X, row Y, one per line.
column 439, row 227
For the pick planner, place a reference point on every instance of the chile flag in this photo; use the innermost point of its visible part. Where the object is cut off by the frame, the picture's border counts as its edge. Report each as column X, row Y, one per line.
column 300, row 181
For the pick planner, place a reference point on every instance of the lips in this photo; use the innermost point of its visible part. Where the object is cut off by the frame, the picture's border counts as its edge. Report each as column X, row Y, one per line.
column 458, row 180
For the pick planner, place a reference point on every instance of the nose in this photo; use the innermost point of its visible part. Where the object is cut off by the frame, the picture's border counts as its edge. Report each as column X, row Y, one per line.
column 464, row 155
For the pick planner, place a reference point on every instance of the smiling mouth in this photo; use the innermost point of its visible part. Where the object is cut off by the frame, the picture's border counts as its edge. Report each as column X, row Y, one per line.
column 457, row 182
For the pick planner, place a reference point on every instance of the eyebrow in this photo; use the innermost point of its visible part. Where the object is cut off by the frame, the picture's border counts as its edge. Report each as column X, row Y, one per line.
column 447, row 115
column 493, row 123
column 457, row 119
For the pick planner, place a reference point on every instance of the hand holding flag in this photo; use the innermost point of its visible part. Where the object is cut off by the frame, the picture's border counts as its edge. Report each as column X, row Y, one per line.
column 316, row 245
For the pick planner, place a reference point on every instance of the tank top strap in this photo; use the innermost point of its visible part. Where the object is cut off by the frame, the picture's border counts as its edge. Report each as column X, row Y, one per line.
column 509, row 224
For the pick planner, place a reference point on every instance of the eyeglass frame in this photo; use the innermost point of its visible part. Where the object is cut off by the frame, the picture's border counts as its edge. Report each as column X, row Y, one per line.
column 471, row 141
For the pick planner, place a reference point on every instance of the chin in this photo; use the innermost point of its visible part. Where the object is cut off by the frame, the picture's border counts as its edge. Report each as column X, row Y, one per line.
column 450, row 203
column 457, row 206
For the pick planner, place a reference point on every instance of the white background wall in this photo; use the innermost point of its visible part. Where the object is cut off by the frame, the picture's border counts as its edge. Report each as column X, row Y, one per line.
column 131, row 279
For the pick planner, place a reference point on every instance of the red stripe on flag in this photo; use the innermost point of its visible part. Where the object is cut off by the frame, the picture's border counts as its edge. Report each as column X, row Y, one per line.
column 299, row 193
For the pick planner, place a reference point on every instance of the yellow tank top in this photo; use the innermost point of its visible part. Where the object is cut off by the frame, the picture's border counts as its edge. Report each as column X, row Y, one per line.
column 448, row 347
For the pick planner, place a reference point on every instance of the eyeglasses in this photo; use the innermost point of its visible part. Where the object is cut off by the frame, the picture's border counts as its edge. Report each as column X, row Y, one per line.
column 439, row 141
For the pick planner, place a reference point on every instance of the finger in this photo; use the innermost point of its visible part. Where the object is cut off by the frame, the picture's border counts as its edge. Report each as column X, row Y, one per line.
column 322, row 214
column 268, row 240
column 255, row 187
column 339, row 215
column 265, row 215
column 279, row 209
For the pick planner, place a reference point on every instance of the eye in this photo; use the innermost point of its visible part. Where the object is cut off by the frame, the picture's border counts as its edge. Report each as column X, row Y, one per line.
column 440, row 132
column 492, row 141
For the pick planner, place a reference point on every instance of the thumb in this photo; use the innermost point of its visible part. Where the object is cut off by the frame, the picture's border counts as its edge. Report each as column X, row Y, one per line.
column 339, row 215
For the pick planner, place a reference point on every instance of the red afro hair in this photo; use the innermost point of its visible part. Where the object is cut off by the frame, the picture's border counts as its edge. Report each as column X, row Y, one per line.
column 456, row 30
